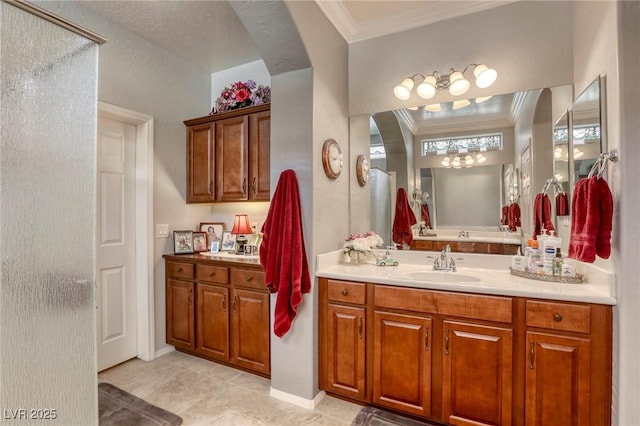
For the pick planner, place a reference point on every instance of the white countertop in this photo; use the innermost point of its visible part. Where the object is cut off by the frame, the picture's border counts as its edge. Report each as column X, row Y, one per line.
column 490, row 271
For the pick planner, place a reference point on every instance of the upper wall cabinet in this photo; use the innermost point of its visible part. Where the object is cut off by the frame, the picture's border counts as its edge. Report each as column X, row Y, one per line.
column 228, row 156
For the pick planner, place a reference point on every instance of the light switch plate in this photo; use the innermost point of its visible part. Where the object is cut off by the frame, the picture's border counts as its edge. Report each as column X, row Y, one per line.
column 162, row 230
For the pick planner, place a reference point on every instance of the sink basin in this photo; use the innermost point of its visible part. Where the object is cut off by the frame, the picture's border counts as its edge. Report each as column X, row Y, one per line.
column 442, row 277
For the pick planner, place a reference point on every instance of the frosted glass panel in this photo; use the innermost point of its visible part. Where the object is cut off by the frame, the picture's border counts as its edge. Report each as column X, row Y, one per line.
column 47, row 207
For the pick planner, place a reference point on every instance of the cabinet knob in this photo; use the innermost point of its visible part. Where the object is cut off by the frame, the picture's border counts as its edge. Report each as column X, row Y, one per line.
column 212, row 274
column 179, row 270
column 249, row 279
column 557, row 317
column 344, row 292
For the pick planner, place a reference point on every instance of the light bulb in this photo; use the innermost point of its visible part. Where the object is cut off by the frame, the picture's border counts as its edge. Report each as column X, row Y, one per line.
column 577, row 153
column 445, row 161
column 468, row 161
column 433, row 108
column 427, row 89
column 480, row 158
column 403, row 90
column 557, row 154
column 456, row 161
column 458, row 85
column 485, row 76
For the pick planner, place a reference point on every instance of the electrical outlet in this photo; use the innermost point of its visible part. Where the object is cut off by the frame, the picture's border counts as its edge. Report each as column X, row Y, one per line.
column 162, row 230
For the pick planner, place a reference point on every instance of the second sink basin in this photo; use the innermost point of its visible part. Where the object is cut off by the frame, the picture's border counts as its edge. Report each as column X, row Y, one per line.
column 442, row 277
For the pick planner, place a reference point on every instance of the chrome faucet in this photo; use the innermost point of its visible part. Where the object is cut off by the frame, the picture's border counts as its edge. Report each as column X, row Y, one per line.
column 444, row 262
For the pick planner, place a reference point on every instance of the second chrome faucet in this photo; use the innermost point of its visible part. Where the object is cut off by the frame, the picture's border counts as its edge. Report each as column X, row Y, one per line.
column 444, row 262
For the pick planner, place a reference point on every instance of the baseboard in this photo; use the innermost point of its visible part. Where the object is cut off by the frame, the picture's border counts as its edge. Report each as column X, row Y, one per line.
column 165, row 350
column 309, row 404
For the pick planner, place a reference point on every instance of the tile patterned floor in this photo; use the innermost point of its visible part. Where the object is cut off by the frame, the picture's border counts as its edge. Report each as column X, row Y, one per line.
column 206, row 393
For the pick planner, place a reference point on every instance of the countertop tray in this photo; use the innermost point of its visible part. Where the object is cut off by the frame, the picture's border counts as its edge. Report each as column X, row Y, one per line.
column 578, row 279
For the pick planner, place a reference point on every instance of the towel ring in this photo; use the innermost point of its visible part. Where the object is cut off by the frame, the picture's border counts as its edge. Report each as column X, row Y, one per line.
column 600, row 164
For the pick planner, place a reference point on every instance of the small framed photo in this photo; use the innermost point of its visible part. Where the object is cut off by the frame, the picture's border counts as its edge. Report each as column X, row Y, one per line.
column 182, row 242
column 214, row 247
column 228, row 241
column 213, row 231
column 199, row 242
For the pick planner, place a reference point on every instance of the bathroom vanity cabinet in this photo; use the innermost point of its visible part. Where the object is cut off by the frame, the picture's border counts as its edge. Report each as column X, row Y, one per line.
column 219, row 311
column 228, row 156
column 463, row 358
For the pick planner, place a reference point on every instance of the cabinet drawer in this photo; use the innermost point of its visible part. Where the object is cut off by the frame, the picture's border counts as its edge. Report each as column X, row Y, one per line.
column 342, row 291
column 559, row 316
column 248, row 278
column 180, row 270
column 212, row 274
column 473, row 306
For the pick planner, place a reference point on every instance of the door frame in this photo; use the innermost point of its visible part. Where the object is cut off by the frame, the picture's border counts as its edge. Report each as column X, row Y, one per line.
column 145, row 323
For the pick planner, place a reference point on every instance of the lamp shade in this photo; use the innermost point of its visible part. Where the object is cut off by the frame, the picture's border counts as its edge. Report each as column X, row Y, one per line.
column 427, row 89
column 458, row 85
column 446, row 161
column 433, row 108
column 485, row 76
column 241, row 225
column 456, row 161
column 403, row 90
column 460, row 104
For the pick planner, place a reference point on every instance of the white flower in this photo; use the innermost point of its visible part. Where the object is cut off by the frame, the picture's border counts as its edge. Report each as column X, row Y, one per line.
column 363, row 242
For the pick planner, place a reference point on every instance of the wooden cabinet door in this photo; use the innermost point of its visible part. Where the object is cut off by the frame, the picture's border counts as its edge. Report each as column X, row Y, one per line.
column 200, row 163
column 477, row 374
column 346, row 351
column 180, row 314
column 250, row 329
column 232, row 159
column 557, row 383
column 260, row 143
column 402, row 362
column 213, row 321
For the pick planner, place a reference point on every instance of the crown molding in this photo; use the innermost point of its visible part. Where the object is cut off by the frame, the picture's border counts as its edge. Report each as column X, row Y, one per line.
column 517, row 104
column 404, row 116
column 430, row 13
column 339, row 17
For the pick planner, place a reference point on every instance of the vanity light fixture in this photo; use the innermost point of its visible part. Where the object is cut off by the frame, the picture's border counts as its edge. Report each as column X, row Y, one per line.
column 462, row 160
column 577, row 153
column 455, row 82
column 480, row 158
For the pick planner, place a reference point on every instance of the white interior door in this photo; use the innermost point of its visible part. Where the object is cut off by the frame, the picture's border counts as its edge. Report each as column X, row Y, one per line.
column 115, row 239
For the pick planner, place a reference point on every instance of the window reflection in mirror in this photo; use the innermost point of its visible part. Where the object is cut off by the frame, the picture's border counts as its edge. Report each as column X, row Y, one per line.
column 587, row 141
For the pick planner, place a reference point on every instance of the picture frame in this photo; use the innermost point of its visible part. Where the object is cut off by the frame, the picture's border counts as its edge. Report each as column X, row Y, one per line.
column 183, row 242
column 199, row 242
column 214, row 247
column 213, row 230
column 228, row 242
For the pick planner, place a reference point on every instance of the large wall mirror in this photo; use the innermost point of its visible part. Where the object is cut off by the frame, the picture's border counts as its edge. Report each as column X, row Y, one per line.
column 587, row 130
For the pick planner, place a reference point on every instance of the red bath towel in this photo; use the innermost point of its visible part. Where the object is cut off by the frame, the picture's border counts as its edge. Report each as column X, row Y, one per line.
column 514, row 217
column 591, row 220
column 403, row 219
column 603, row 239
column 282, row 252
column 562, row 204
column 541, row 215
column 425, row 216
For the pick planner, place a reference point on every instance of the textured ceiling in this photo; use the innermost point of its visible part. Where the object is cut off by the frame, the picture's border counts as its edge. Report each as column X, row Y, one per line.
column 205, row 33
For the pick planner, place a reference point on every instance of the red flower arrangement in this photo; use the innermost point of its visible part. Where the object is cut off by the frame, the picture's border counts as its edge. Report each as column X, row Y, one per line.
column 241, row 95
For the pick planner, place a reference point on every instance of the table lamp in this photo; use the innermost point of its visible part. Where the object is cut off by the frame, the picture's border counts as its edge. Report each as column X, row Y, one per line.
column 241, row 226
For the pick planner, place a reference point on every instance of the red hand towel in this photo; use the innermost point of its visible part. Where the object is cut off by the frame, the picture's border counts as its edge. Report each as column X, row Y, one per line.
column 514, row 217
column 403, row 219
column 426, row 217
column 585, row 221
column 562, row 204
column 282, row 252
column 541, row 215
column 504, row 218
column 605, row 204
